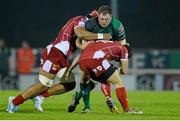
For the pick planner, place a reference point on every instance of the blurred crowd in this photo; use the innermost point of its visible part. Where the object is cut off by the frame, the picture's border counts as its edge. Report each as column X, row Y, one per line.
column 26, row 59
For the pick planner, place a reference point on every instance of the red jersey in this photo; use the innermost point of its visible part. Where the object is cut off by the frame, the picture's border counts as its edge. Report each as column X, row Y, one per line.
column 104, row 49
column 65, row 41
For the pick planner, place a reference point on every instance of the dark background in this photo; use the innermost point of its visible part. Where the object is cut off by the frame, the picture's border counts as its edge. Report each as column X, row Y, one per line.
column 148, row 23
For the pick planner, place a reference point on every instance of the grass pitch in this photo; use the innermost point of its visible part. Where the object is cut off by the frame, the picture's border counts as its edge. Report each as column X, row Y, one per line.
column 155, row 105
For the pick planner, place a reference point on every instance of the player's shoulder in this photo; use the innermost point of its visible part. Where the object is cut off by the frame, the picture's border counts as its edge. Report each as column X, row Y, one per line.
column 91, row 23
column 116, row 22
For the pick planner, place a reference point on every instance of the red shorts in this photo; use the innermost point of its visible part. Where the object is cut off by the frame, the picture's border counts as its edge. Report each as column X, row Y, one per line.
column 98, row 69
column 53, row 61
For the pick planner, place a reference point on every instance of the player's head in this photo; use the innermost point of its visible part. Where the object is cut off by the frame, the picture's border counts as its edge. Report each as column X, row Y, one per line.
column 104, row 15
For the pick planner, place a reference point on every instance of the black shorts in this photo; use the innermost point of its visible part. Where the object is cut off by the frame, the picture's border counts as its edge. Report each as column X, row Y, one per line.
column 105, row 76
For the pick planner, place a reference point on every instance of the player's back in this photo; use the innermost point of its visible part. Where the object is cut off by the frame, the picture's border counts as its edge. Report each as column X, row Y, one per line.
column 103, row 48
column 65, row 41
column 67, row 31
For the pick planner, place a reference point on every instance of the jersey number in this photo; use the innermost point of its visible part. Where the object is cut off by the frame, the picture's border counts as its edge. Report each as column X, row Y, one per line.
column 99, row 68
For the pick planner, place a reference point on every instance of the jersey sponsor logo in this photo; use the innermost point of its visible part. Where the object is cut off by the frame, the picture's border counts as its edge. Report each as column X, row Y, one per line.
column 55, row 66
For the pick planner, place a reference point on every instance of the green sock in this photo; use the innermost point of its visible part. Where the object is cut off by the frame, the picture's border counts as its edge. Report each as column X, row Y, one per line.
column 85, row 90
column 80, row 93
column 78, row 96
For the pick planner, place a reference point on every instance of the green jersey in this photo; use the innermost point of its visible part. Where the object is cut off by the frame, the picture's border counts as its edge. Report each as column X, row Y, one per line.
column 115, row 28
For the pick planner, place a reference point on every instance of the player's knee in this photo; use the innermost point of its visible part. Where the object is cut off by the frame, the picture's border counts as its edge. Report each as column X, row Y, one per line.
column 69, row 86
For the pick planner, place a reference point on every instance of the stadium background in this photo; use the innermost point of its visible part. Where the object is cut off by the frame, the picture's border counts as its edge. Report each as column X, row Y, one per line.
column 152, row 28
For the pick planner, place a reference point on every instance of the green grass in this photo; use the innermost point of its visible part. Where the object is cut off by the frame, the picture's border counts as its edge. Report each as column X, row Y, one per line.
column 155, row 105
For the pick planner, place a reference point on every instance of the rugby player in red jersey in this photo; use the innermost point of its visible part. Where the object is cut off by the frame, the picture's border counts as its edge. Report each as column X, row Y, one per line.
column 94, row 61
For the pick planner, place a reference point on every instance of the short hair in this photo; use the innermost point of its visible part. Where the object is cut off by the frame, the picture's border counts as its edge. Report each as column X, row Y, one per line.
column 105, row 9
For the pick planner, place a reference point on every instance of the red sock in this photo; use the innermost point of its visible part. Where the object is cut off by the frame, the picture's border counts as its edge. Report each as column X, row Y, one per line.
column 18, row 100
column 45, row 94
column 106, row 89
column 121, row 95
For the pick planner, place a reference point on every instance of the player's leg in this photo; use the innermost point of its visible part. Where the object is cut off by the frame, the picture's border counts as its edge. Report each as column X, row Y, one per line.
column 52, row 61
column 121, row 93
column 59, row 88
column 62, row 87
column 106, row 89
column 85, row 89
column 120, row 90
column 45, row 81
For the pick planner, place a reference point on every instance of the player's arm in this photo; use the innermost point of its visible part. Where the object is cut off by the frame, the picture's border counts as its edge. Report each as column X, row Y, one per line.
column 82, row 33
column 121, row 35
column 73, row 65
column 119, row 31
column 81, row 44
column 124, row 60
column 124, row 66
column 123, row 41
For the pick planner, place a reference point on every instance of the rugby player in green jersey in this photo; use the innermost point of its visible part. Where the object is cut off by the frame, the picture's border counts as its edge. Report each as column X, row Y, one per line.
column 103, row 23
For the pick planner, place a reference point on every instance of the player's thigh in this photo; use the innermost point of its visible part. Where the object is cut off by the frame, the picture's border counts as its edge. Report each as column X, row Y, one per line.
column 115, row 79
column 84, row 76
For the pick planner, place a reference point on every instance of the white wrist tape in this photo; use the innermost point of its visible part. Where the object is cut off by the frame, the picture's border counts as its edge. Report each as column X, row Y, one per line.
column 100, row 36
column 110, row 36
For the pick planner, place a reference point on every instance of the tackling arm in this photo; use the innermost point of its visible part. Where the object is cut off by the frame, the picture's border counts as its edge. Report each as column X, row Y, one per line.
column 82, row 43
column 82, row 33
column 73, row 65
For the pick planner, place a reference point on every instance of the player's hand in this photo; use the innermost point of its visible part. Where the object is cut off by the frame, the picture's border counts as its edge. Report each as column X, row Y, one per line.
column 127, row 44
